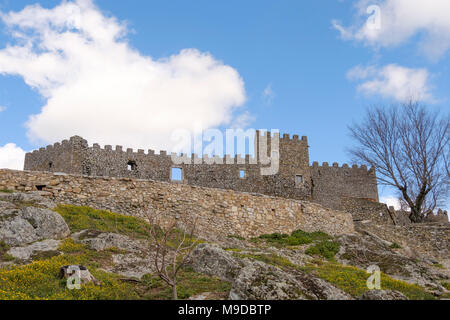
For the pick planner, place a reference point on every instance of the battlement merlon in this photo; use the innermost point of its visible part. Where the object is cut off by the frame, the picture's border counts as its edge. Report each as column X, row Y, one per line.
column 335, row 165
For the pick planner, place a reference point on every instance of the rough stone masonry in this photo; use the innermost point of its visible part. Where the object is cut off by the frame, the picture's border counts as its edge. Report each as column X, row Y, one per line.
column 296, row 179
column 220, row 212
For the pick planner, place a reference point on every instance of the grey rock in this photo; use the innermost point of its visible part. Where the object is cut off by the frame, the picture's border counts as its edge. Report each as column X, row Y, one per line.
column 4, row 206
column 47, row 223
column 19, row 227
column 15, row 231
column 256, row 280
column 364, row 250
column 25, row 253
column 131, row 265
column 383, row 295
column 102, row 241
column 259, row 281
column 38, row 198
column 214, row 261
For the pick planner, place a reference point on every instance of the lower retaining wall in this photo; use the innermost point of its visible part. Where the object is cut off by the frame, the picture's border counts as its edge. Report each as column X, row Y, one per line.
column 366, row 209
column 429, row 239
column 220, row 212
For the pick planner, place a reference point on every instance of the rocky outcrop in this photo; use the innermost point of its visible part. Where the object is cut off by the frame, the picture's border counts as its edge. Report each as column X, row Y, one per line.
column 255, row 280
column 365, row 250
column 383, row 295
column 23, row 226
column 25, row 253
column 259, row 281
column 214, row 261
column 134, row 262
column 37, row 198
column 100, row 241
column 46, row 223
column 14, row 230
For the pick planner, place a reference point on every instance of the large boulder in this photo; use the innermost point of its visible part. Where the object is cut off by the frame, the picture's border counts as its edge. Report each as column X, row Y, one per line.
column 20, row 227
column 135, row 262
column 14, row 230
column 25, row 253
column 255, row 280
column 47, row 223
column 383, row 295
column 364, row 250
column 132, row 265
column 259, row 281
column 99, row 241
column 214, row 261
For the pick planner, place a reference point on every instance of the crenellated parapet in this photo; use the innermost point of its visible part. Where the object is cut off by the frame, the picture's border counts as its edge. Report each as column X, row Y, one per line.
column 354, row 168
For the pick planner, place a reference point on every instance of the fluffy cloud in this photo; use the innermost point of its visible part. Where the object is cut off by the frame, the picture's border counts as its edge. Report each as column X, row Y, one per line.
column 97, row 86
column 11, row 157
column 400, row 21
column 268, row 94
column 2, row 108
column 393, row 81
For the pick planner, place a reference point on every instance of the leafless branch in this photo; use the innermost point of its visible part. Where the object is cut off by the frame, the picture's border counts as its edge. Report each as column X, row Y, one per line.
column 409, row 147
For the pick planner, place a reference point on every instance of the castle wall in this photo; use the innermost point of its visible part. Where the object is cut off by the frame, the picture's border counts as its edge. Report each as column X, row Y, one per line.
column 332, row 183
column 323, row 184
column 220, row 212
column 77, row 158
column 67, row 157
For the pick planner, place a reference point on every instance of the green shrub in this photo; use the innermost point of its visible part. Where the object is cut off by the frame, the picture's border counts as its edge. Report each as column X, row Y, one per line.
column 190, row 283
column 82, row 218
column 395, row 245
column 4, row 248
column 324, row 248
column 39, row 280
column 446, row 285
column 296, row 238
column 354, row 281
column 6, row 191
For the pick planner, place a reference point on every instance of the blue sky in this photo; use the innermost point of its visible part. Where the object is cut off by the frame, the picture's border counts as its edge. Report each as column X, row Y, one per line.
column 285, row 65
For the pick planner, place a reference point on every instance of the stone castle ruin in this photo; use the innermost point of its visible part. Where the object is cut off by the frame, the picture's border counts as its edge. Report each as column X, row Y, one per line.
column 295, row 179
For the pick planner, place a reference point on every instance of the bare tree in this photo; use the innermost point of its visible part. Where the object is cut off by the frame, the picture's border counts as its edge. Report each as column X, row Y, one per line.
column 408, row 145
column 172, row 247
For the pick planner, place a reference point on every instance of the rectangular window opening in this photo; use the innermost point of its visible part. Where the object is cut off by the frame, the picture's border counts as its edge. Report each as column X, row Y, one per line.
column 131, row 166
column 242, row 174
column 176, row 174
column 298, row 180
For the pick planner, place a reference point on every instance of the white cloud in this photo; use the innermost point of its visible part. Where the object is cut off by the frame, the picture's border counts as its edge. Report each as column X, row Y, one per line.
column 393, row 81
column 268, row 94
column 402, row 20
column 2, row 108
column 391, row 201
column 99, row 87
column 243, row 120
column 11, row 157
